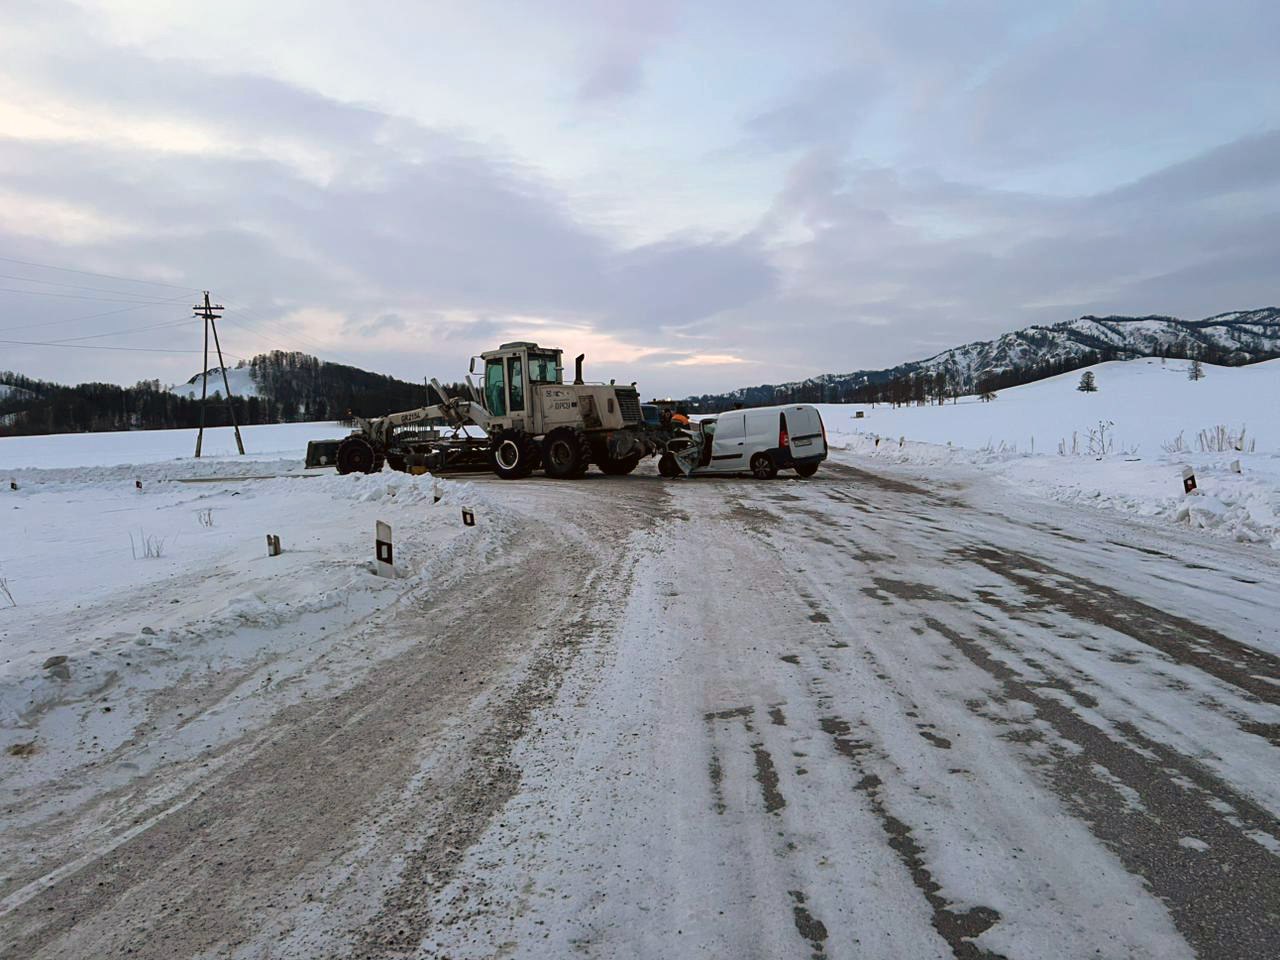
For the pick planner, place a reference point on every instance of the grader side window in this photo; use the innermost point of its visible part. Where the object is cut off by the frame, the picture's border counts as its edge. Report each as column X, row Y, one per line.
column 495, row 388
column 543, row 368
column 516, row 371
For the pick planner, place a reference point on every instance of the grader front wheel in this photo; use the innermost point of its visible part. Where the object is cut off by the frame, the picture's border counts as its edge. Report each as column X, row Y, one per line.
column 514, row 454
column 356, row 455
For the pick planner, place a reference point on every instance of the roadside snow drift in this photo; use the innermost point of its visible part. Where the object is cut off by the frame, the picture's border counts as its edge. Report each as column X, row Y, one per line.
column 1124, row 447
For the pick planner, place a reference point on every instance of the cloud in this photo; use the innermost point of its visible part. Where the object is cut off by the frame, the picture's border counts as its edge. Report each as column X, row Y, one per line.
column 828, row 110
column 623, row 35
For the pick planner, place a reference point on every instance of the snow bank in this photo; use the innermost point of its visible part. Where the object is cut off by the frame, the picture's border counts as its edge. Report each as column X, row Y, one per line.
column 64, row 450
column 102, row 635
column 1145, row 406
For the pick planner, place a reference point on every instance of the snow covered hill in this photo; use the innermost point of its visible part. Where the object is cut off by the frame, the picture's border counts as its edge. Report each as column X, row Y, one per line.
column 240, row 379
column 1123, row 447
column 1034, row 353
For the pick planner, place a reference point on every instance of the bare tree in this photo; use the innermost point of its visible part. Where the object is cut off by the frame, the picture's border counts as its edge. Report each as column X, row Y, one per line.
column 1195, row 371
column 1087, row 383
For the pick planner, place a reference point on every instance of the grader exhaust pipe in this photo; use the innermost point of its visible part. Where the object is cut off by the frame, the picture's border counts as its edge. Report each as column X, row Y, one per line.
column 577, row 369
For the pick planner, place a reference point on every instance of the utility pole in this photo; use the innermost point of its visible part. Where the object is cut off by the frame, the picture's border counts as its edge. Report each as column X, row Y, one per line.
column 209, row 313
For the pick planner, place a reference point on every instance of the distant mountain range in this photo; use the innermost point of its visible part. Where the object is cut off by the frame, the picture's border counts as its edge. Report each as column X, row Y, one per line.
column 1023, row 356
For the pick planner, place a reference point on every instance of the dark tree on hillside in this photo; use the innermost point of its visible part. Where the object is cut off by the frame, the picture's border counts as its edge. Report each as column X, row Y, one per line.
column 1087, row 383
column 1195, row 371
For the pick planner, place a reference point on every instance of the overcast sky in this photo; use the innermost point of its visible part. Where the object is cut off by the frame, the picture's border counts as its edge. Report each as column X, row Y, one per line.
column 698, row 195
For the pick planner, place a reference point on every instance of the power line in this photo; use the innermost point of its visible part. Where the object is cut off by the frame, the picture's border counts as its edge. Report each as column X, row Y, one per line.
column 257, row 325
column 120, row 333
column 91, row 316
column 99, row 346
column 281, row 331
column 73, row 286
column 89, row 273
column 77, row 296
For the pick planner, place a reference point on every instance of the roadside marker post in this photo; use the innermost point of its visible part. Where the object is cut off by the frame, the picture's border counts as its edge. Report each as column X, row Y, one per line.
column 468, row 518
column 13, row 484
column 1235, row 466
column 273, row 545
column 137, row 484
column 1188, row 480
column 435, row 491
column 382, row 550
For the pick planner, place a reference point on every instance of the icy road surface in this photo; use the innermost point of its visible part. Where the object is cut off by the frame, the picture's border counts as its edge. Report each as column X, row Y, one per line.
column 875, row 714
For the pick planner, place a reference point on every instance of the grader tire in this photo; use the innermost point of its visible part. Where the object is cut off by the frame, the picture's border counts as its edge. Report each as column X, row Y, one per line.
column 565, row 453
column 514, row 454
column 667, row 466
column 357, row 455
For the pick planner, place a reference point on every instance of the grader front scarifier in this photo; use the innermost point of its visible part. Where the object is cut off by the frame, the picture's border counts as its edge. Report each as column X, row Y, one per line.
column 530, row 417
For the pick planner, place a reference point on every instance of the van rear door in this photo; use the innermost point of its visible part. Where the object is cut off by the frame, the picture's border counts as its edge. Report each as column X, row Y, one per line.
column 804, row 427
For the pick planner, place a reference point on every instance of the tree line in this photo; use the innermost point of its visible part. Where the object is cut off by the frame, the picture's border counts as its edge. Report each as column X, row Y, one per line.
column 292, row 387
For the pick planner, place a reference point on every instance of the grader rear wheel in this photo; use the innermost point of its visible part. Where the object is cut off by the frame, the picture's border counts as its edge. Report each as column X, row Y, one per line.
column 565, row 453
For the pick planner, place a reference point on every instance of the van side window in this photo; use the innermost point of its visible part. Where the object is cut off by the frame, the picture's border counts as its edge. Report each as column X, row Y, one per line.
column 732, row 426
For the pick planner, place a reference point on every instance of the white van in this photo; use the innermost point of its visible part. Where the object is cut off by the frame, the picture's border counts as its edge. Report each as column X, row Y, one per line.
column 761, row 440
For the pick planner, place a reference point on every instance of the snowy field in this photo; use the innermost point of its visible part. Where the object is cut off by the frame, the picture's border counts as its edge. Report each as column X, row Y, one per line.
column 1145, row 407
column 74, row 560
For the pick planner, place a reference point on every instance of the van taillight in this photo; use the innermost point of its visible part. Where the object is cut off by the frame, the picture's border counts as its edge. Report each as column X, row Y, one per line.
column 784, row 440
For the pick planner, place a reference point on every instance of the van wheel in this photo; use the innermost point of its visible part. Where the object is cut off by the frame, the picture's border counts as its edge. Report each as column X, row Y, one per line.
column 565, row 453
column 806, row 470
column 514, row 454
column 667, row 466
column 762, row 467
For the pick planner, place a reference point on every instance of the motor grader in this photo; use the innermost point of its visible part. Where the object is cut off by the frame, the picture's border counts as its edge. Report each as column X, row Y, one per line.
column 531, row 418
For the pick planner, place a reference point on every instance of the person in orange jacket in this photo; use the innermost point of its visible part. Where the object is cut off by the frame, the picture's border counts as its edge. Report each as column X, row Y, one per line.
column 681, row 418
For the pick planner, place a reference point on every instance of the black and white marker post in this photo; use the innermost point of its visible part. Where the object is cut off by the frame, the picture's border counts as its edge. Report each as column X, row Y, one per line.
column 1188, row 480
column 382, row 550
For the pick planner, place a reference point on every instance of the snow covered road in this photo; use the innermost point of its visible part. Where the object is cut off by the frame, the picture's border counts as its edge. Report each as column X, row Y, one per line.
column 874, row 714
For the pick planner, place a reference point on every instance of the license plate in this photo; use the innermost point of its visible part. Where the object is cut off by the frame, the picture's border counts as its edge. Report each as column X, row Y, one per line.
column 803, row 443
